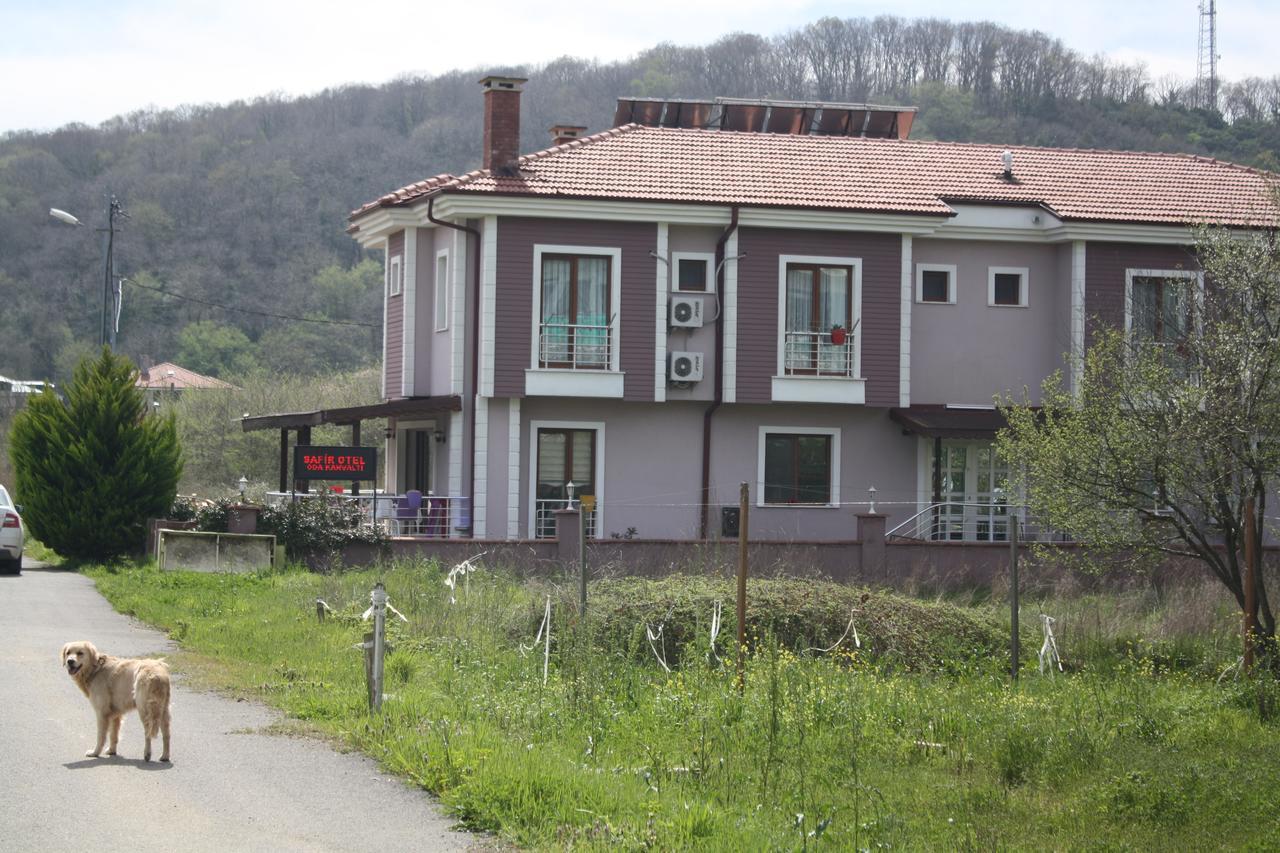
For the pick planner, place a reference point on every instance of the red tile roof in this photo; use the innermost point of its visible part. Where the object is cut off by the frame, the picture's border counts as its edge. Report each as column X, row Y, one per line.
column 167, row 375
column 637, row 163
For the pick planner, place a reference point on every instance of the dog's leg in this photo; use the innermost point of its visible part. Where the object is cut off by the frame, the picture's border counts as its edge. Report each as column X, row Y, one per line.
column 103, row 722
column 164, row 733
column 115, row 734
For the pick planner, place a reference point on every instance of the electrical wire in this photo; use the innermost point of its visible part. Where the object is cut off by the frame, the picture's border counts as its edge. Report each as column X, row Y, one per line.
column 249, row 310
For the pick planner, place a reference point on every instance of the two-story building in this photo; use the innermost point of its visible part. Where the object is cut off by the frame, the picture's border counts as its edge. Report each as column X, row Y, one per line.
column 795, row 296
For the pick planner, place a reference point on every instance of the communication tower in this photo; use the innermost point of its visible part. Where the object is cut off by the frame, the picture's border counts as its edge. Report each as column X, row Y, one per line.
column 1207, row 57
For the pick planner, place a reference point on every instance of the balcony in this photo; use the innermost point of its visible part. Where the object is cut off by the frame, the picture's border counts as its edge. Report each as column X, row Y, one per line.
column 575, row 346
column 813, row 354
column 815, row 370
column 575, row 360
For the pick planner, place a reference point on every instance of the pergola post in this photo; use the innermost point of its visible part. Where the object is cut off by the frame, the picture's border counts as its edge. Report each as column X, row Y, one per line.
column 355, row 442
column 304, row 439
column 284, row 459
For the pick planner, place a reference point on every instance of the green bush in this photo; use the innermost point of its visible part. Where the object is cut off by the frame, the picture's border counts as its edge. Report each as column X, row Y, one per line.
column 894, row 630
column 91, row 471
column 319, row 525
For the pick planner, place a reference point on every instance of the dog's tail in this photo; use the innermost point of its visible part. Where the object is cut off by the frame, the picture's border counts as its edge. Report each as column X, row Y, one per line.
column 151, row 694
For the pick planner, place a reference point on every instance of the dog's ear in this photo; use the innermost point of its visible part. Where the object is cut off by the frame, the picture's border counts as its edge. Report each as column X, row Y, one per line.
column 62, row 658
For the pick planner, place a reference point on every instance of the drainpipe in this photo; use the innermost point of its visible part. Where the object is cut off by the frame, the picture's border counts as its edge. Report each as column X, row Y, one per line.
column 719, row 373
column 474, row 268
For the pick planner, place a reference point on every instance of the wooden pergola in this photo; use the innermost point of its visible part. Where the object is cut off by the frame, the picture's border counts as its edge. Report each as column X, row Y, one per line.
column 302, row 422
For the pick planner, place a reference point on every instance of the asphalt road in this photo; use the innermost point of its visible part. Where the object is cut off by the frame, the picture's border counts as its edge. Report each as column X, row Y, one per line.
column 230, row 786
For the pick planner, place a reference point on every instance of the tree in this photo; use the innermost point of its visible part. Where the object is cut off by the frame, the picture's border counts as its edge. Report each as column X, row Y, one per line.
column 92, row 470
column 1173, row 428
column 215, row 349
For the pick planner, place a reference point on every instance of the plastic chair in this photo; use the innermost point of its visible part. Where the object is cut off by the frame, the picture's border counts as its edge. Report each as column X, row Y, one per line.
column 408, row 510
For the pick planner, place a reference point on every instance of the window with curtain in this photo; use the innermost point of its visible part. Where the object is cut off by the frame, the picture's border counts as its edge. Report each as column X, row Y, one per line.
column 575, row 312
column 1161, row 316
column 818, row 299
column 797, row 469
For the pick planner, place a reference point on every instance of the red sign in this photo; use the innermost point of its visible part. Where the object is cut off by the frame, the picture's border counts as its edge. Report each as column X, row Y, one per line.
column 335, row 463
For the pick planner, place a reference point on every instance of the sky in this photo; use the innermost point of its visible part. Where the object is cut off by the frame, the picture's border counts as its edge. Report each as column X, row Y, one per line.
column 64, row 61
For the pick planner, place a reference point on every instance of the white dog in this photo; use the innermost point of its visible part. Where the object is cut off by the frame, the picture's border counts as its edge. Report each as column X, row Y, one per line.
column 116, row 686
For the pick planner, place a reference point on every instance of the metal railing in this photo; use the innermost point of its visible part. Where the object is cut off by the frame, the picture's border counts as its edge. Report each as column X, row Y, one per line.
column 813, row 354
column 952, row 521
column 575, row 346
column 544, row 521
column 438, row 516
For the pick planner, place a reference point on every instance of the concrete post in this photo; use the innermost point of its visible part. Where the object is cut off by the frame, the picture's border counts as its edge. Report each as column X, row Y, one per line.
column 569, row 538
column 871, row 527
column 243, row 518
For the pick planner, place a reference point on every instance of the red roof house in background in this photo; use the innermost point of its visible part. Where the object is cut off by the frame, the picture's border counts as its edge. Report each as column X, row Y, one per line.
column 167, row 376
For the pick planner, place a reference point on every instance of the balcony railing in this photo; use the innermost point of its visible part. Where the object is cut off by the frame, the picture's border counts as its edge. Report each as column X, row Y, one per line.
column 952, row 521
column 813, row 354
column 545, row 517
column 575, row 346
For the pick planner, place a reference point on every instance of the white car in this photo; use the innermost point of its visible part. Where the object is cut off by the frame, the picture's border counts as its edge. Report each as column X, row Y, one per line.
column 10, row 534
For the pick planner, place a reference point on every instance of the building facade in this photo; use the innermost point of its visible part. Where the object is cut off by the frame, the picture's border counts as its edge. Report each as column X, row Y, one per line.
column 645, row 318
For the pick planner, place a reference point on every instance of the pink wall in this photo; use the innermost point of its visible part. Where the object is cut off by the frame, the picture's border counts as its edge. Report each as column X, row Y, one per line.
column 394, row 329
column 758, row 305
column 516, row 239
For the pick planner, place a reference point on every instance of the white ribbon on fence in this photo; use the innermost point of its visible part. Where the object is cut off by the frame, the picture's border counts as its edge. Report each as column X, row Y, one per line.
column 1049, row 650
column 715, row 629
column 544, row 636
column 850, row 627
column 463, row 569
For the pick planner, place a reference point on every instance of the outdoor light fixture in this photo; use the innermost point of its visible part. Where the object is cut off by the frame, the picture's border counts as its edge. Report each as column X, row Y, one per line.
column 440, row 436
column 872, row 492
column 244, row 484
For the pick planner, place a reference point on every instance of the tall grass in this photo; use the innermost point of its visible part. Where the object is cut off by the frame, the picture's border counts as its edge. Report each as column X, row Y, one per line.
column 847, row 750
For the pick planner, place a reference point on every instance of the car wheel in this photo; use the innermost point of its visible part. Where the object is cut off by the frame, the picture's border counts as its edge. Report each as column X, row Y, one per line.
column 12, row 567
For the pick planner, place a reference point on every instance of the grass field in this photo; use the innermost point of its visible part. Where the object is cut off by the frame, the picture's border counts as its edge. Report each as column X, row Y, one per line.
column 916, row 740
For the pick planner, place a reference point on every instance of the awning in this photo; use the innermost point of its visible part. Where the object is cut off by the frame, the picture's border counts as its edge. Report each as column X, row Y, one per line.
column 950, row 421
column 411, row 407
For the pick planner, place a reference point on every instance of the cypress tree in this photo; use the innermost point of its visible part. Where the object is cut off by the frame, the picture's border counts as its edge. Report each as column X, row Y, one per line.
column 92, row 470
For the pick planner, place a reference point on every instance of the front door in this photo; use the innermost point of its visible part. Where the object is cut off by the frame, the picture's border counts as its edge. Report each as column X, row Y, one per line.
column 975, row 503
column 564, row 456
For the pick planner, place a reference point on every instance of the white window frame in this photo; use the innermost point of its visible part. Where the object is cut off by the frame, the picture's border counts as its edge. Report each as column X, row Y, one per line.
column 534, row 426
column 765, row 431
column 709, row 257
column 615, row 299
column 1024, row 286
column 440, row 291
column 949, row 269
column 1189, row 275
column 819, row 389
column 395, row 276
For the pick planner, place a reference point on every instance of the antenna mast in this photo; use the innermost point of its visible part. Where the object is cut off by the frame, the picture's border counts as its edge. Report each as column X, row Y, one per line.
column 1207, row 57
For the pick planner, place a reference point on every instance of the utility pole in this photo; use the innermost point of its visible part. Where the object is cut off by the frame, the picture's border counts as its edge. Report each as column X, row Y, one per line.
column 110, row 296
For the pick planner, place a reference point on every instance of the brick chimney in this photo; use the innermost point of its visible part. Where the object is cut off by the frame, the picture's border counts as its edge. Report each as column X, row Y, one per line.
column 502, row 123
column 562, row 133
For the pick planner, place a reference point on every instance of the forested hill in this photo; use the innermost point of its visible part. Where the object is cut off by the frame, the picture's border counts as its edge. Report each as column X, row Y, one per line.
column 243, row 206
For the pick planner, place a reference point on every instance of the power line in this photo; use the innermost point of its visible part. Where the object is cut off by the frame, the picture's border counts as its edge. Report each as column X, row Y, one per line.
column 248, row 310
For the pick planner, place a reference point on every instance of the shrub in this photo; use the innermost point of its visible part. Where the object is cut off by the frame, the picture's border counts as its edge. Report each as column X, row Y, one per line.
column 91, row 471
column 319, row 525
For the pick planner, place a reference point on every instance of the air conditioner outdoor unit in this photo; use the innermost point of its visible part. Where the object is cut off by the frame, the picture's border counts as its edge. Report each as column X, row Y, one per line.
column 684, row 366
column 686, row 312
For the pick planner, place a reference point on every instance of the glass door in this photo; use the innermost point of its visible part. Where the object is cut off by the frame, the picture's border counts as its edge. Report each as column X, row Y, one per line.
column 564, row 456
